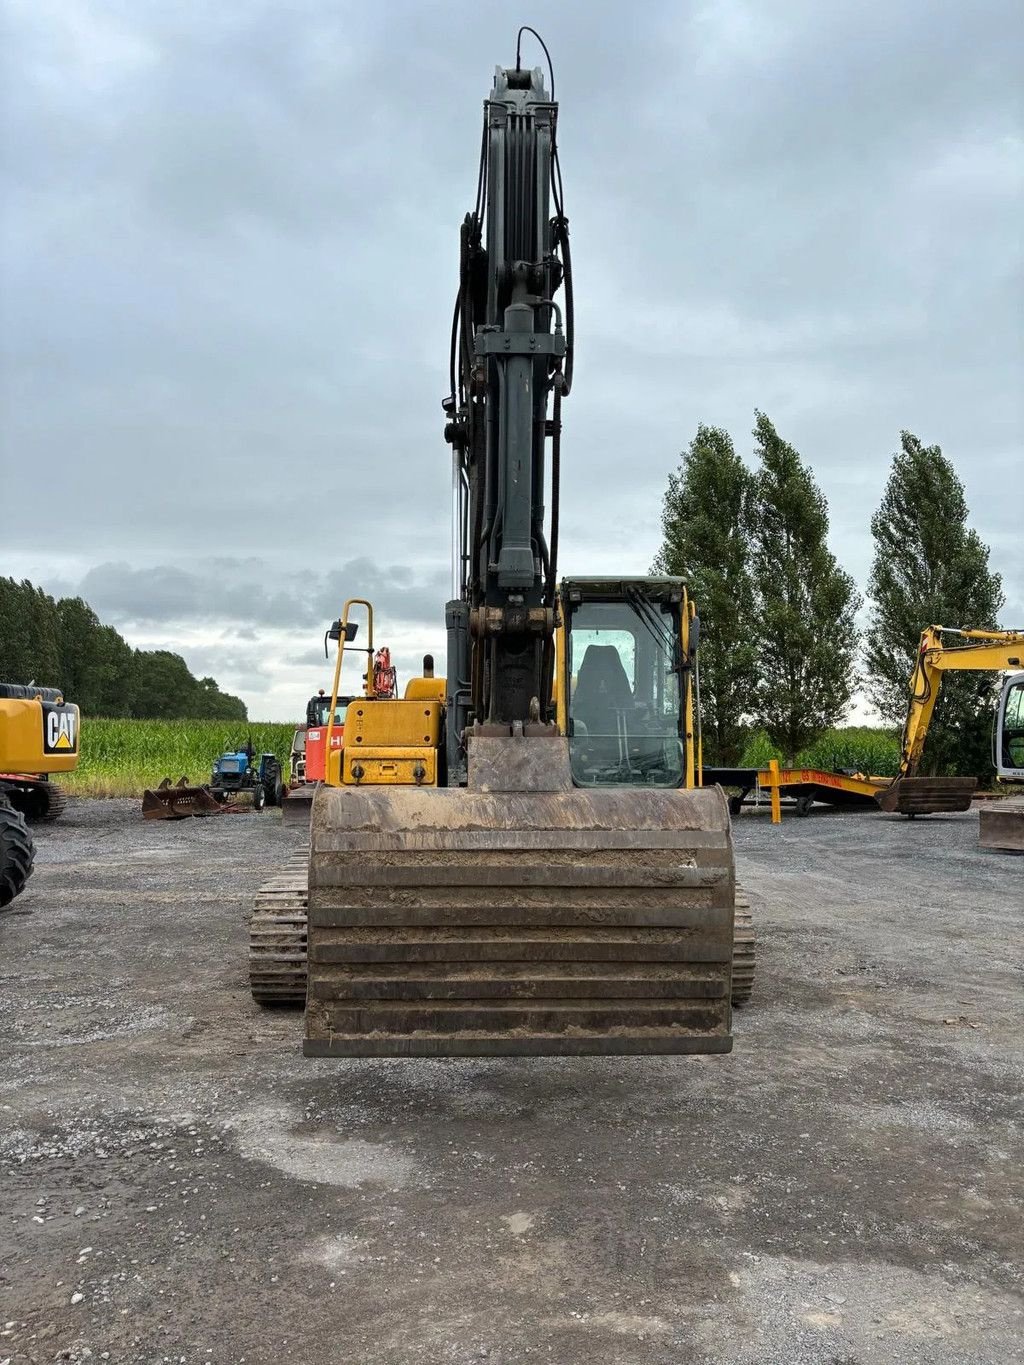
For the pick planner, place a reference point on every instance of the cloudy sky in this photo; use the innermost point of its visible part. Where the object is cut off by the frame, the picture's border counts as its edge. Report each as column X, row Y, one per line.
column 229, row 250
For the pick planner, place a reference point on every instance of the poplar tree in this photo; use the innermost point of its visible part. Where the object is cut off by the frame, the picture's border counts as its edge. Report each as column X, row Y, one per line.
column 706, row 542
column 805, row 602
column 930, row 568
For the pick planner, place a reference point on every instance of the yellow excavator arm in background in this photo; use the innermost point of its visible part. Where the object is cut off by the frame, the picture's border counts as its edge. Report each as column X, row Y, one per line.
column 975, row 651
column 980, row 651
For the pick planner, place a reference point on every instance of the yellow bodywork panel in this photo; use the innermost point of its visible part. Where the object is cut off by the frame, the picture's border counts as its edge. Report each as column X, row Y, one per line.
column 387, row 724
column 379, row 766
column 38, row 737
column 389, row 743
column 425, row 689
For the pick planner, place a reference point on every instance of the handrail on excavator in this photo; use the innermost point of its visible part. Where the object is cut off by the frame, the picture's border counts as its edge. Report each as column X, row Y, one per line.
column 344, row 637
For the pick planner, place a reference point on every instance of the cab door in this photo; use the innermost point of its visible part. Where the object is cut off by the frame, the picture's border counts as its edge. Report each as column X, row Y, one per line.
column 1008, row 736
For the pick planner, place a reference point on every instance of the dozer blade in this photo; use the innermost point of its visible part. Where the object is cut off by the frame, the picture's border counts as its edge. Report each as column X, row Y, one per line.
column 490, row 921
column 297, row 804
column 169, row 802
column 927, row 795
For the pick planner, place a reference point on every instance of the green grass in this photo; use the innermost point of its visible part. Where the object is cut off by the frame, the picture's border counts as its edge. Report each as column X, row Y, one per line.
column 123, row 757
column 865, row 748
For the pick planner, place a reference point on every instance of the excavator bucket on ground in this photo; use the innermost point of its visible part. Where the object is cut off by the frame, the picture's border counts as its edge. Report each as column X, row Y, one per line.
column 178, row 802
column 927, row 795
column 519, row 916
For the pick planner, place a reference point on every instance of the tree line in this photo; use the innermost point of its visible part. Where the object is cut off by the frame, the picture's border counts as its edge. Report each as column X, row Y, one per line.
column 60, row 642
column 780, row 647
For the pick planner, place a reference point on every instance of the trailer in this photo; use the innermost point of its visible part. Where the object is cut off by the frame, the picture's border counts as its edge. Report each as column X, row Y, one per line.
column 800, row 787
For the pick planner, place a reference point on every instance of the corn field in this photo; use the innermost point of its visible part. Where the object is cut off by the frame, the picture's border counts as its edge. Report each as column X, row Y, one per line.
column 123, row 757
column 863, row 748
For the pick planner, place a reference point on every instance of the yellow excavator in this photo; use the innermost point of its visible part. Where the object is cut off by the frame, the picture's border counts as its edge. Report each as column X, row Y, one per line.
column 941, row 650
column 38, row 737
column 506, row 864
column 624, row 691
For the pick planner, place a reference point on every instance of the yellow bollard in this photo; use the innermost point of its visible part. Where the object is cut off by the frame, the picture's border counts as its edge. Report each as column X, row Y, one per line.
column 773, row 783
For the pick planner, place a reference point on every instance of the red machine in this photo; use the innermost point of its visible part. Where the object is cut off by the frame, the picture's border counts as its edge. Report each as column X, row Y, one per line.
column 318, row 713
column 385, row 675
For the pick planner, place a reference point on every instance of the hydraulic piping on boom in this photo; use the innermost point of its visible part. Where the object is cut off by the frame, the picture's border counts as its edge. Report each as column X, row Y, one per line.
column 511, row 356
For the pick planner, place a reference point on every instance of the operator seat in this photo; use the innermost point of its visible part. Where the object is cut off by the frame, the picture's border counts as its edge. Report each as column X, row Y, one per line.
column 602, row 690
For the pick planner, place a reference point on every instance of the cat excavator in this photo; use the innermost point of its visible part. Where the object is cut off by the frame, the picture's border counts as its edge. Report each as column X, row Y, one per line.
column 38, row 737
column 518, row 858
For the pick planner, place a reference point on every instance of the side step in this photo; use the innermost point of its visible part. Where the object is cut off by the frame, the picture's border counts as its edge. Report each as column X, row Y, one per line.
column 277, row 936
column 928, row 795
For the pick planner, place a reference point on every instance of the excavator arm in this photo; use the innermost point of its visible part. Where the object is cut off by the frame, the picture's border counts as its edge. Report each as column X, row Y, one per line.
column 975, row 651
column 511, row 359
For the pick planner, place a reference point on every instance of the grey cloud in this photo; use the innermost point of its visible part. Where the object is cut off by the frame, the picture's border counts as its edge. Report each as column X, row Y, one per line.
column 252, row 593
column 230, row 250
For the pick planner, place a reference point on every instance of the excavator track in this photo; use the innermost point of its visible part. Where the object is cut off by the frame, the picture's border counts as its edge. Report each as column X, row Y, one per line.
column 743, row 950
column 277, row 936
column 278, row 955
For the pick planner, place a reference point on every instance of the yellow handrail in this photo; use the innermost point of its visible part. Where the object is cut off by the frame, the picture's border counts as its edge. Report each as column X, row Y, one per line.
column 368, row 686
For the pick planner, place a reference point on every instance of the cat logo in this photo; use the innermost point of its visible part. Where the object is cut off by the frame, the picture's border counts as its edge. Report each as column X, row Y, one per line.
column 60, row 729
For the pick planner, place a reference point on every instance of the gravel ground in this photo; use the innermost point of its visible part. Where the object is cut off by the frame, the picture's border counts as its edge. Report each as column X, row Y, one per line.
column 178, row 1184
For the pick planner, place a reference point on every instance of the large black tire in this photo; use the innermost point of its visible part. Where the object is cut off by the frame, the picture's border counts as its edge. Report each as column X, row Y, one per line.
column 276, row 797
column 17, row 854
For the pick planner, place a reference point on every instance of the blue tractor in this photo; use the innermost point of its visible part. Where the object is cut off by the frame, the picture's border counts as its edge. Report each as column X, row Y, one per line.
column 243, row 771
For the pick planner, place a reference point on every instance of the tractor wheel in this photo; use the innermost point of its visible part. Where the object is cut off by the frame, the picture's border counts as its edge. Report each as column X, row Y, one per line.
column 277, row 799
column 17, row 854
column 735, row 805
column 259, row 796
column 804, row 804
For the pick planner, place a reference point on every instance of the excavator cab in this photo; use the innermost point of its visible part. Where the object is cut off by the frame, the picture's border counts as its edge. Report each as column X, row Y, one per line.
column 1008, row 736
column 625, row 657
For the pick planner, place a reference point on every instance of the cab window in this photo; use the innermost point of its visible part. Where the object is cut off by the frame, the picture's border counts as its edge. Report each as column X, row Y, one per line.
column 1012, row 750
column 624, row 694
